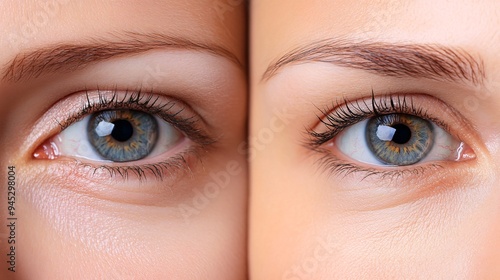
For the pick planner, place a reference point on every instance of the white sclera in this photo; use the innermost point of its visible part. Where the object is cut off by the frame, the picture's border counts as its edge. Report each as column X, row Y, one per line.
column 352, row 143
column 73, row 141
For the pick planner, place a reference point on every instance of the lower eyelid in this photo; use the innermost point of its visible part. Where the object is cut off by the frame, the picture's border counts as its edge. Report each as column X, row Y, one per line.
column 338, row 166
column 164, row 168
column 124, row 185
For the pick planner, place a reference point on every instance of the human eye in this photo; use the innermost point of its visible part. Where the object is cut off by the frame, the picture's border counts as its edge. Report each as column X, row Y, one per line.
column 389, row 136
column 126, row 132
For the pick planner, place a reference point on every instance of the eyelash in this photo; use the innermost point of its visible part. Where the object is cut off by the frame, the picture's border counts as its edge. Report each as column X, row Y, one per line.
column 148, row 103
column 346, row 113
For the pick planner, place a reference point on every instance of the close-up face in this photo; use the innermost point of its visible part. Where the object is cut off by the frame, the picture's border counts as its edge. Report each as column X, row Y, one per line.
column 374, row 140
column 120, row 159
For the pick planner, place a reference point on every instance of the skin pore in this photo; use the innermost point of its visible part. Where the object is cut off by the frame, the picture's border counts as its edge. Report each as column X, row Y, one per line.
column 323, row 210
column 178, row 214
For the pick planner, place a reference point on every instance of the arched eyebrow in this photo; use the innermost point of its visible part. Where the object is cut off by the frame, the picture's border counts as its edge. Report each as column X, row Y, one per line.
column 63, row 57
column 430, row 61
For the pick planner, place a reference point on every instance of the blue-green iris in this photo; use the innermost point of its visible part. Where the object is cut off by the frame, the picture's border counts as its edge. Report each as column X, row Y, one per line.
column 122, row 135
column 399, row 139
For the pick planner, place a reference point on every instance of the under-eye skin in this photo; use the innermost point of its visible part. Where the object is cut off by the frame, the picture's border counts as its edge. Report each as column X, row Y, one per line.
column 128, row 132
column 390, row 135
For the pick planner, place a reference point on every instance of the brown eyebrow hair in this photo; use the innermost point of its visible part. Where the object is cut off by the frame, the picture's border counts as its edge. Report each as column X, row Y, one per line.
column 74, row 56
column 397, row 60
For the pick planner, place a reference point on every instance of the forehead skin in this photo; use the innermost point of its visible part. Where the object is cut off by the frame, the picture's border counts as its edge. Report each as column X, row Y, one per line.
column 28, row 24
column 282, row 25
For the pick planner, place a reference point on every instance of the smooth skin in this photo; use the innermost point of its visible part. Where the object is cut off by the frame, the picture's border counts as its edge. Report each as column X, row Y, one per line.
column 307, row 222
column 74, row 223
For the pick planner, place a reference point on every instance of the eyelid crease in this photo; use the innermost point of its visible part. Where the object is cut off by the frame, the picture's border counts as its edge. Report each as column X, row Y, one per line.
column 168, row 170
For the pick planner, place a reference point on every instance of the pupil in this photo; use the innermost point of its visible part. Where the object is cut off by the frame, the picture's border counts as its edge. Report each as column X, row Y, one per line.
column 122, row 131
column 402, row 135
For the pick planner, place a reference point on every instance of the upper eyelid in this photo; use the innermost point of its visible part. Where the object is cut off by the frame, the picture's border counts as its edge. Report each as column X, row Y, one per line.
column 313, row 140
column 190, row 83
column 146, row 102
column 104, row 99
column 48, row 124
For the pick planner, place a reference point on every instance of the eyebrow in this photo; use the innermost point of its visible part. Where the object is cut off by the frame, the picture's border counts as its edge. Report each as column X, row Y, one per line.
column 63, row 57
column 388, row 59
